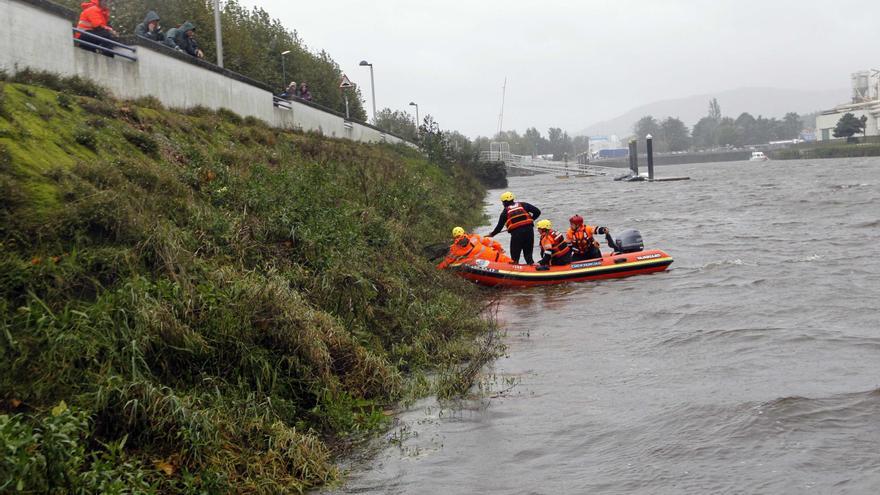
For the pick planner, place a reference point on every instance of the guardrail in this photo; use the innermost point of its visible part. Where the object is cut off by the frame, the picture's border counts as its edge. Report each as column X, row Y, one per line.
column 103, row 49
column 538, row 165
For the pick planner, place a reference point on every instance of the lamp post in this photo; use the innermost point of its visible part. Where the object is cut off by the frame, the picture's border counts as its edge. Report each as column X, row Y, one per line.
column 284, row 69
column 364, row 63
column 414, row 104
column 218, row 33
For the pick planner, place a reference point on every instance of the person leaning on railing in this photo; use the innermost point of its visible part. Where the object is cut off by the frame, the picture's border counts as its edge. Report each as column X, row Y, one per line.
column 183, row 38
column 150, row 28
column 95, row 21
column 303, row 92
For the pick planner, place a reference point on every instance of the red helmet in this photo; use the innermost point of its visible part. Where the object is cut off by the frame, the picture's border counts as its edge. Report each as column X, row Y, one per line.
column 576, row 220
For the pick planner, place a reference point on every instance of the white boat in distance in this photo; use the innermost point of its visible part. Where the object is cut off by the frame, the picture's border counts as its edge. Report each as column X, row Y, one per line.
column 758, row 156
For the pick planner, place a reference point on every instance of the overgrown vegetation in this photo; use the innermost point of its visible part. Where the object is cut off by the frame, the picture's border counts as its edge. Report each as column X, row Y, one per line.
column 212, row 299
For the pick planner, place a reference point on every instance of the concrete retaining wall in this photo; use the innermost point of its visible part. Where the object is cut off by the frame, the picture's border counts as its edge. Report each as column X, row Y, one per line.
column 38, row 36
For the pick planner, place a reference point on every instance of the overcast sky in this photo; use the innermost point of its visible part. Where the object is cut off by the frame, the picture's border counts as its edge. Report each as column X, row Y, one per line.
column 572, row 63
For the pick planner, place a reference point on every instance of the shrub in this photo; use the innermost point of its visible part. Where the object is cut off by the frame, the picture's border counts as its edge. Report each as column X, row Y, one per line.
column 5, row 157
column 86, row 137
column 150, row 102
column 199, row 111
column 142, row 140
column 230, row 116
column 100, row 107
column 64, row 100
column 4, row 112
column 75, row 85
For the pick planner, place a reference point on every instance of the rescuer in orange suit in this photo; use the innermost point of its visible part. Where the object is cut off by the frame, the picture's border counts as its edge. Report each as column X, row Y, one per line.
column 469, row 247
column 555, row 250
column 580, row 237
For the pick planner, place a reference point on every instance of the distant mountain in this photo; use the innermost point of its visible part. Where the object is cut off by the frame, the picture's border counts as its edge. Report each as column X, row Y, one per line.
column 769, row 102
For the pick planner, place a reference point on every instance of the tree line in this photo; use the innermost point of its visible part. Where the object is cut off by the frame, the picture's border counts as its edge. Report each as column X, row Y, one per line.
column 252, row 45
column 717, row 131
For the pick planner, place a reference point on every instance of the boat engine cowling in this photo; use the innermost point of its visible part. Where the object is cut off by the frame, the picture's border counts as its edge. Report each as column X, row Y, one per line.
column 629, row 241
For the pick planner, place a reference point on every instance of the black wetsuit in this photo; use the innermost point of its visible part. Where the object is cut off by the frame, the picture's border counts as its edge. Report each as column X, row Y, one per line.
column 522, row 239
column 592, row 253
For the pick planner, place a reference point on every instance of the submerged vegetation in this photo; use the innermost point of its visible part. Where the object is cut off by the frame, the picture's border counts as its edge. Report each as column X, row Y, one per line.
column 197, row 302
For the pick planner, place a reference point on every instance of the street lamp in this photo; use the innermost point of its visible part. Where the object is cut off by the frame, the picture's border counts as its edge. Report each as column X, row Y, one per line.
column 218, row 33
column 284, row 69
column 414, row 104
column 364, row 63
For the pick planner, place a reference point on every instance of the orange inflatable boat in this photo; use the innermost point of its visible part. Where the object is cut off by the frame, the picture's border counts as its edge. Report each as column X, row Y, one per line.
column 630, row 258
column 494, row 274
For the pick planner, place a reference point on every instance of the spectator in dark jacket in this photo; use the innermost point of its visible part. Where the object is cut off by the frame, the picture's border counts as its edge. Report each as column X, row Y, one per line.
column 183, row 38
column 150, row 28
column 304, row 92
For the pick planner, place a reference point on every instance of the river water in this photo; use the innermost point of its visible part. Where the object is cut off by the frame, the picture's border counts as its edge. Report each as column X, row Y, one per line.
column 752, row 366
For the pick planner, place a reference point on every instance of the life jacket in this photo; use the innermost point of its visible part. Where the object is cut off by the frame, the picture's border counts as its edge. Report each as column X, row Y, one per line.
column 517, row 217
column 475, row 248
column 554, row 243
column 92, row 17
column 488, row 242
column 582, row 239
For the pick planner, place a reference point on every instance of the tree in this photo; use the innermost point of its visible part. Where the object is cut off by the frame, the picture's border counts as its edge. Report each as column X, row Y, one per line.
column 715, row 110
column 850, row 125
column 675, row 134
column 704, row 134
column 397, row 122
column 727, row 133
column 646, row 125
column 791, row 126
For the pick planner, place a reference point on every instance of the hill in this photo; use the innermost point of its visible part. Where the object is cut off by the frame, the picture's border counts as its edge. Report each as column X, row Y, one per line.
column 198, row 303
column 769, row 102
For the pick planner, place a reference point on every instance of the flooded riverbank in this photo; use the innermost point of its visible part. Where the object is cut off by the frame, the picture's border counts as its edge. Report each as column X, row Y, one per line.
column 752, row 366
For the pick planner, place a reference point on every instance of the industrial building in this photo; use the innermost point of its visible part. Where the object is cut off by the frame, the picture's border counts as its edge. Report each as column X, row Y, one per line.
column 865, row 102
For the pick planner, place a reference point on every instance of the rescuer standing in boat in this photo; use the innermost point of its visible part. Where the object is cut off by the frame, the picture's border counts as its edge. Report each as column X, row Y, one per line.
column 519, row 220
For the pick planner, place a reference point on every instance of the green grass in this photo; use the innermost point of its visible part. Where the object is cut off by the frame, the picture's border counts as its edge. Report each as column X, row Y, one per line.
column 215, row 301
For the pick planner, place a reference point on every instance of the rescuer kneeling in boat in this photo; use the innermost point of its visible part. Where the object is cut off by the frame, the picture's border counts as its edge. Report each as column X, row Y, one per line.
column 473, row 247
column 555, row 250
column 518, row 219
column 580, row 237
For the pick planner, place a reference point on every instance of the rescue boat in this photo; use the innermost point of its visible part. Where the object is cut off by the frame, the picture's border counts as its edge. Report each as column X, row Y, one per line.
column 493, row 274
column 630, row 258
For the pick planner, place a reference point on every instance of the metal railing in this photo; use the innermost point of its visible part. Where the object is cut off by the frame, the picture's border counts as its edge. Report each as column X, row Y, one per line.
column 539, row 165
column 282, row 103
column 103, row 49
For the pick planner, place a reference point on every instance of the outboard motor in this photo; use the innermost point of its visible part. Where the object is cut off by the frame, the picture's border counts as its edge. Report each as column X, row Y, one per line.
column 629, row 241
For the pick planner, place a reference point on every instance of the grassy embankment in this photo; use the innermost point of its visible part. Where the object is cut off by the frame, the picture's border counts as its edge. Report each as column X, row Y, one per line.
column 213, row 300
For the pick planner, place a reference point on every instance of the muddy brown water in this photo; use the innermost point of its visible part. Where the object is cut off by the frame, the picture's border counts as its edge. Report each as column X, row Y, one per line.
column 752, row 366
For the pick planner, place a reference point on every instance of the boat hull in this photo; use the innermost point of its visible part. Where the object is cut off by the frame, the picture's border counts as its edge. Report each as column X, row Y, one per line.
column 492, row 274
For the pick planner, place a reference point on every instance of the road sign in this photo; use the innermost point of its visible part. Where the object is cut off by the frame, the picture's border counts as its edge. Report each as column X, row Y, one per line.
column 345, row 83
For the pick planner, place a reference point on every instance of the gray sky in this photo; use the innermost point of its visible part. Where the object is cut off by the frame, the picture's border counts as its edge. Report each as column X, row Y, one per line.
column 572, row 63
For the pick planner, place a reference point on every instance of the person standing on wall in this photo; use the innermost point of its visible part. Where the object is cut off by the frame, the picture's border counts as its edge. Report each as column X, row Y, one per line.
column 519, row 220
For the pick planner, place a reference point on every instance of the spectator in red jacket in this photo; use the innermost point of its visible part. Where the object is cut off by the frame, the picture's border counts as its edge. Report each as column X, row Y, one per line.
column 95, row 21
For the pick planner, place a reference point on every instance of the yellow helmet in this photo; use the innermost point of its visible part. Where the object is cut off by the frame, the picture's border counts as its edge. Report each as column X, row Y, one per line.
column 457, row 232
column 508, row 196
column 544, row 224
